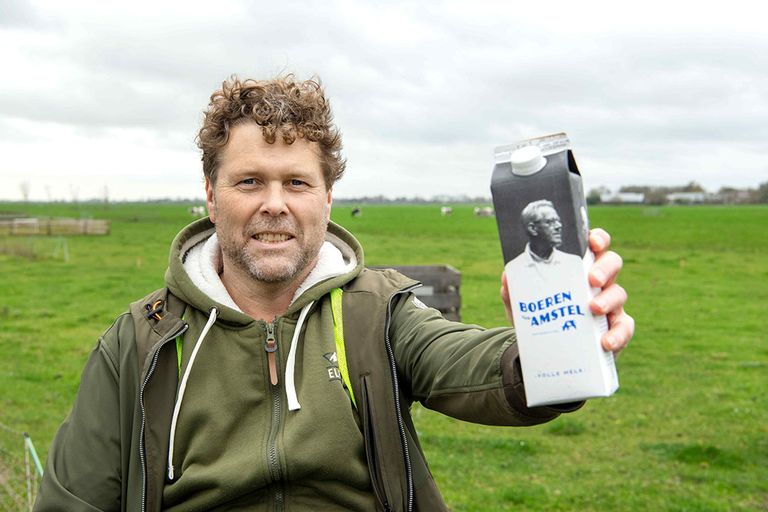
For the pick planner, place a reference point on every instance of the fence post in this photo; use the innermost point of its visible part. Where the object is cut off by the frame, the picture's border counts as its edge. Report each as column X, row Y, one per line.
column 28, row 477
column 29, row 449
column 33, row 452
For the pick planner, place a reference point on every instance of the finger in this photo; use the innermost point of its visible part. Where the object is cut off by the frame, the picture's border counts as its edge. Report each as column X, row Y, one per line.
column 605, row 269
column 610, row 300
column 504, row 292
column 622, row 328
column 599, row 240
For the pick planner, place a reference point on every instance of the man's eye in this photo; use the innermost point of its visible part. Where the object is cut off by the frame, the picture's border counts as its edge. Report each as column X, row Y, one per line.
column 248, row 181
column 297, row 183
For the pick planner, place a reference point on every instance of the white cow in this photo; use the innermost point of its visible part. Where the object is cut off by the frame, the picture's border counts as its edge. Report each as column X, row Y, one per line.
column 197, row 211
column 486, row 211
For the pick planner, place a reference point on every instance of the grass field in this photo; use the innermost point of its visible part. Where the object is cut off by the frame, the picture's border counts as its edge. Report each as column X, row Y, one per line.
column 688, row 430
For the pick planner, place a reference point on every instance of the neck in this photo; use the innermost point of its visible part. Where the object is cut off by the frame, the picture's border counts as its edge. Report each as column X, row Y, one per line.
column 258, row 299
column 541, row 248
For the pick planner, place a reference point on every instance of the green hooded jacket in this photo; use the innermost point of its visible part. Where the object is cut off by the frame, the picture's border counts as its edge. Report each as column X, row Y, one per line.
column 179, row 411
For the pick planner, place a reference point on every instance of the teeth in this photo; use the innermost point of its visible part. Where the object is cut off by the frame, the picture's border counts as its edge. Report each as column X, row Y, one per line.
column 272, row 237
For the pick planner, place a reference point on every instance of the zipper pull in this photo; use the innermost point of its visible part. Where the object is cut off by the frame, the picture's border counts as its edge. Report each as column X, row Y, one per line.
column 270, row 346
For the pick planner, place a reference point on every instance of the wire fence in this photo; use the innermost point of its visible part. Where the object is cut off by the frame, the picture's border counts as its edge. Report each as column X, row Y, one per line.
column 46, row 226
column 20, row 470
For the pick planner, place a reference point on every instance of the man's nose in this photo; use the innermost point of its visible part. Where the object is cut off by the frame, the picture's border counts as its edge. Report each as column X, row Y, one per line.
column 273, row 200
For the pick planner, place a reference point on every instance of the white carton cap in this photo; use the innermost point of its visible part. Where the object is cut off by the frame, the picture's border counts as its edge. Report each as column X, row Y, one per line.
column 527, row 160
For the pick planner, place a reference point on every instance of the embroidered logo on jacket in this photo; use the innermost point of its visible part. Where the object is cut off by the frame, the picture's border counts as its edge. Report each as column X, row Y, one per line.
column 333, row 366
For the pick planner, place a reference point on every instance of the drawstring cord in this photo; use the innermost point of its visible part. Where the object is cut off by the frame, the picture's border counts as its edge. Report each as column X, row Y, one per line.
column 290, row 366
column 177, row 407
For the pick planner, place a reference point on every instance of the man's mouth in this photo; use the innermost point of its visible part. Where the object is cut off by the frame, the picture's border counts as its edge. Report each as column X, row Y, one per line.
column 272, row 238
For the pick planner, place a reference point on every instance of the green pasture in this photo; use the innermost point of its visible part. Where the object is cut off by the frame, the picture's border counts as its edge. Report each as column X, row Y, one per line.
column 687, row 430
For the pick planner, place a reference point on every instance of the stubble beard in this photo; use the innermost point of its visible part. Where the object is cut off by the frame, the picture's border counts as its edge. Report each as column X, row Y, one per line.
column 272, row 269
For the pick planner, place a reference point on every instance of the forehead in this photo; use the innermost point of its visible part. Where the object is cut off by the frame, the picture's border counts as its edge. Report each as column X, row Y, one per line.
column 547, row 212
column 248, row 150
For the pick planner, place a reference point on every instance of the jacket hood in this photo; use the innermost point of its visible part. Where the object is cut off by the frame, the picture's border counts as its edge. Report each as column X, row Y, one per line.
column 341, row 259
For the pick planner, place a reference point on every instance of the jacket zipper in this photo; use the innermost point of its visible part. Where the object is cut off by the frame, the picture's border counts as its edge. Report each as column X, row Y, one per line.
column 158, row 346
column 400, row 422
column 270, row 347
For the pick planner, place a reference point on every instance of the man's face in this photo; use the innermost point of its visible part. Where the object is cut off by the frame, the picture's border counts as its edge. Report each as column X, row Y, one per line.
column 548, row 226
column 270, row 205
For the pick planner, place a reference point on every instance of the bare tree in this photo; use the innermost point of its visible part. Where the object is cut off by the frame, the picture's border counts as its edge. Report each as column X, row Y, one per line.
column 25, row 187
column 75, row 191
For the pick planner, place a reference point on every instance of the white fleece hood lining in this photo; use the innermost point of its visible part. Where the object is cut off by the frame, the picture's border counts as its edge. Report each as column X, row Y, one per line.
column 203, row 264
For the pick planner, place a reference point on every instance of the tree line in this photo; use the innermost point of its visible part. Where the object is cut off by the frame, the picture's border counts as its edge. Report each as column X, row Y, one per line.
column 658, row 195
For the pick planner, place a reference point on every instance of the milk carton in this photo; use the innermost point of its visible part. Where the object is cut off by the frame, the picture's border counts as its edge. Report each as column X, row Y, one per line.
column 542, row 219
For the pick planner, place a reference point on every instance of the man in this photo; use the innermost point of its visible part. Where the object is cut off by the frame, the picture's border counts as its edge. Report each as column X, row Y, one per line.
column 545, row 232
column 276, row 372
column 541, row 260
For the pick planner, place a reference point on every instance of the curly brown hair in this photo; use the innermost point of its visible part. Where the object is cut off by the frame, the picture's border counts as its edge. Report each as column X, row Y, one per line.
column 281, row 106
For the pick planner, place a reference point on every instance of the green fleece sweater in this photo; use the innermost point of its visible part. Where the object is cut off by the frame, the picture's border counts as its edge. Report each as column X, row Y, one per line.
column 236, row 446
column 239, row 447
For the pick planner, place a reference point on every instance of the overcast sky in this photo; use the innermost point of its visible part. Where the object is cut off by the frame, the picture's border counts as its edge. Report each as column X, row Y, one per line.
column 105, row 97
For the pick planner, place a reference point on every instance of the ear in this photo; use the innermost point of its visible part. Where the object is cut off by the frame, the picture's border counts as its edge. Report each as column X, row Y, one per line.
column 210, row 201
column 531, row 229
column 328, row 204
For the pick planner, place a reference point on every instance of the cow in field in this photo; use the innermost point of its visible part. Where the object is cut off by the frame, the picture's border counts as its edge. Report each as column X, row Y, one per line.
column 486, row 211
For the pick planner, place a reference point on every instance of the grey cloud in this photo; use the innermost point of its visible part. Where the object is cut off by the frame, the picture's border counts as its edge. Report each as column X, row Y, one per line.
column 657, row 101
column 18, row 13
column 447, row 84
column 157, row 75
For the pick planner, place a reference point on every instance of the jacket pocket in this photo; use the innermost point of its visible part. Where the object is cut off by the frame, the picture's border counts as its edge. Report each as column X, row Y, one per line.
column 371, row 449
